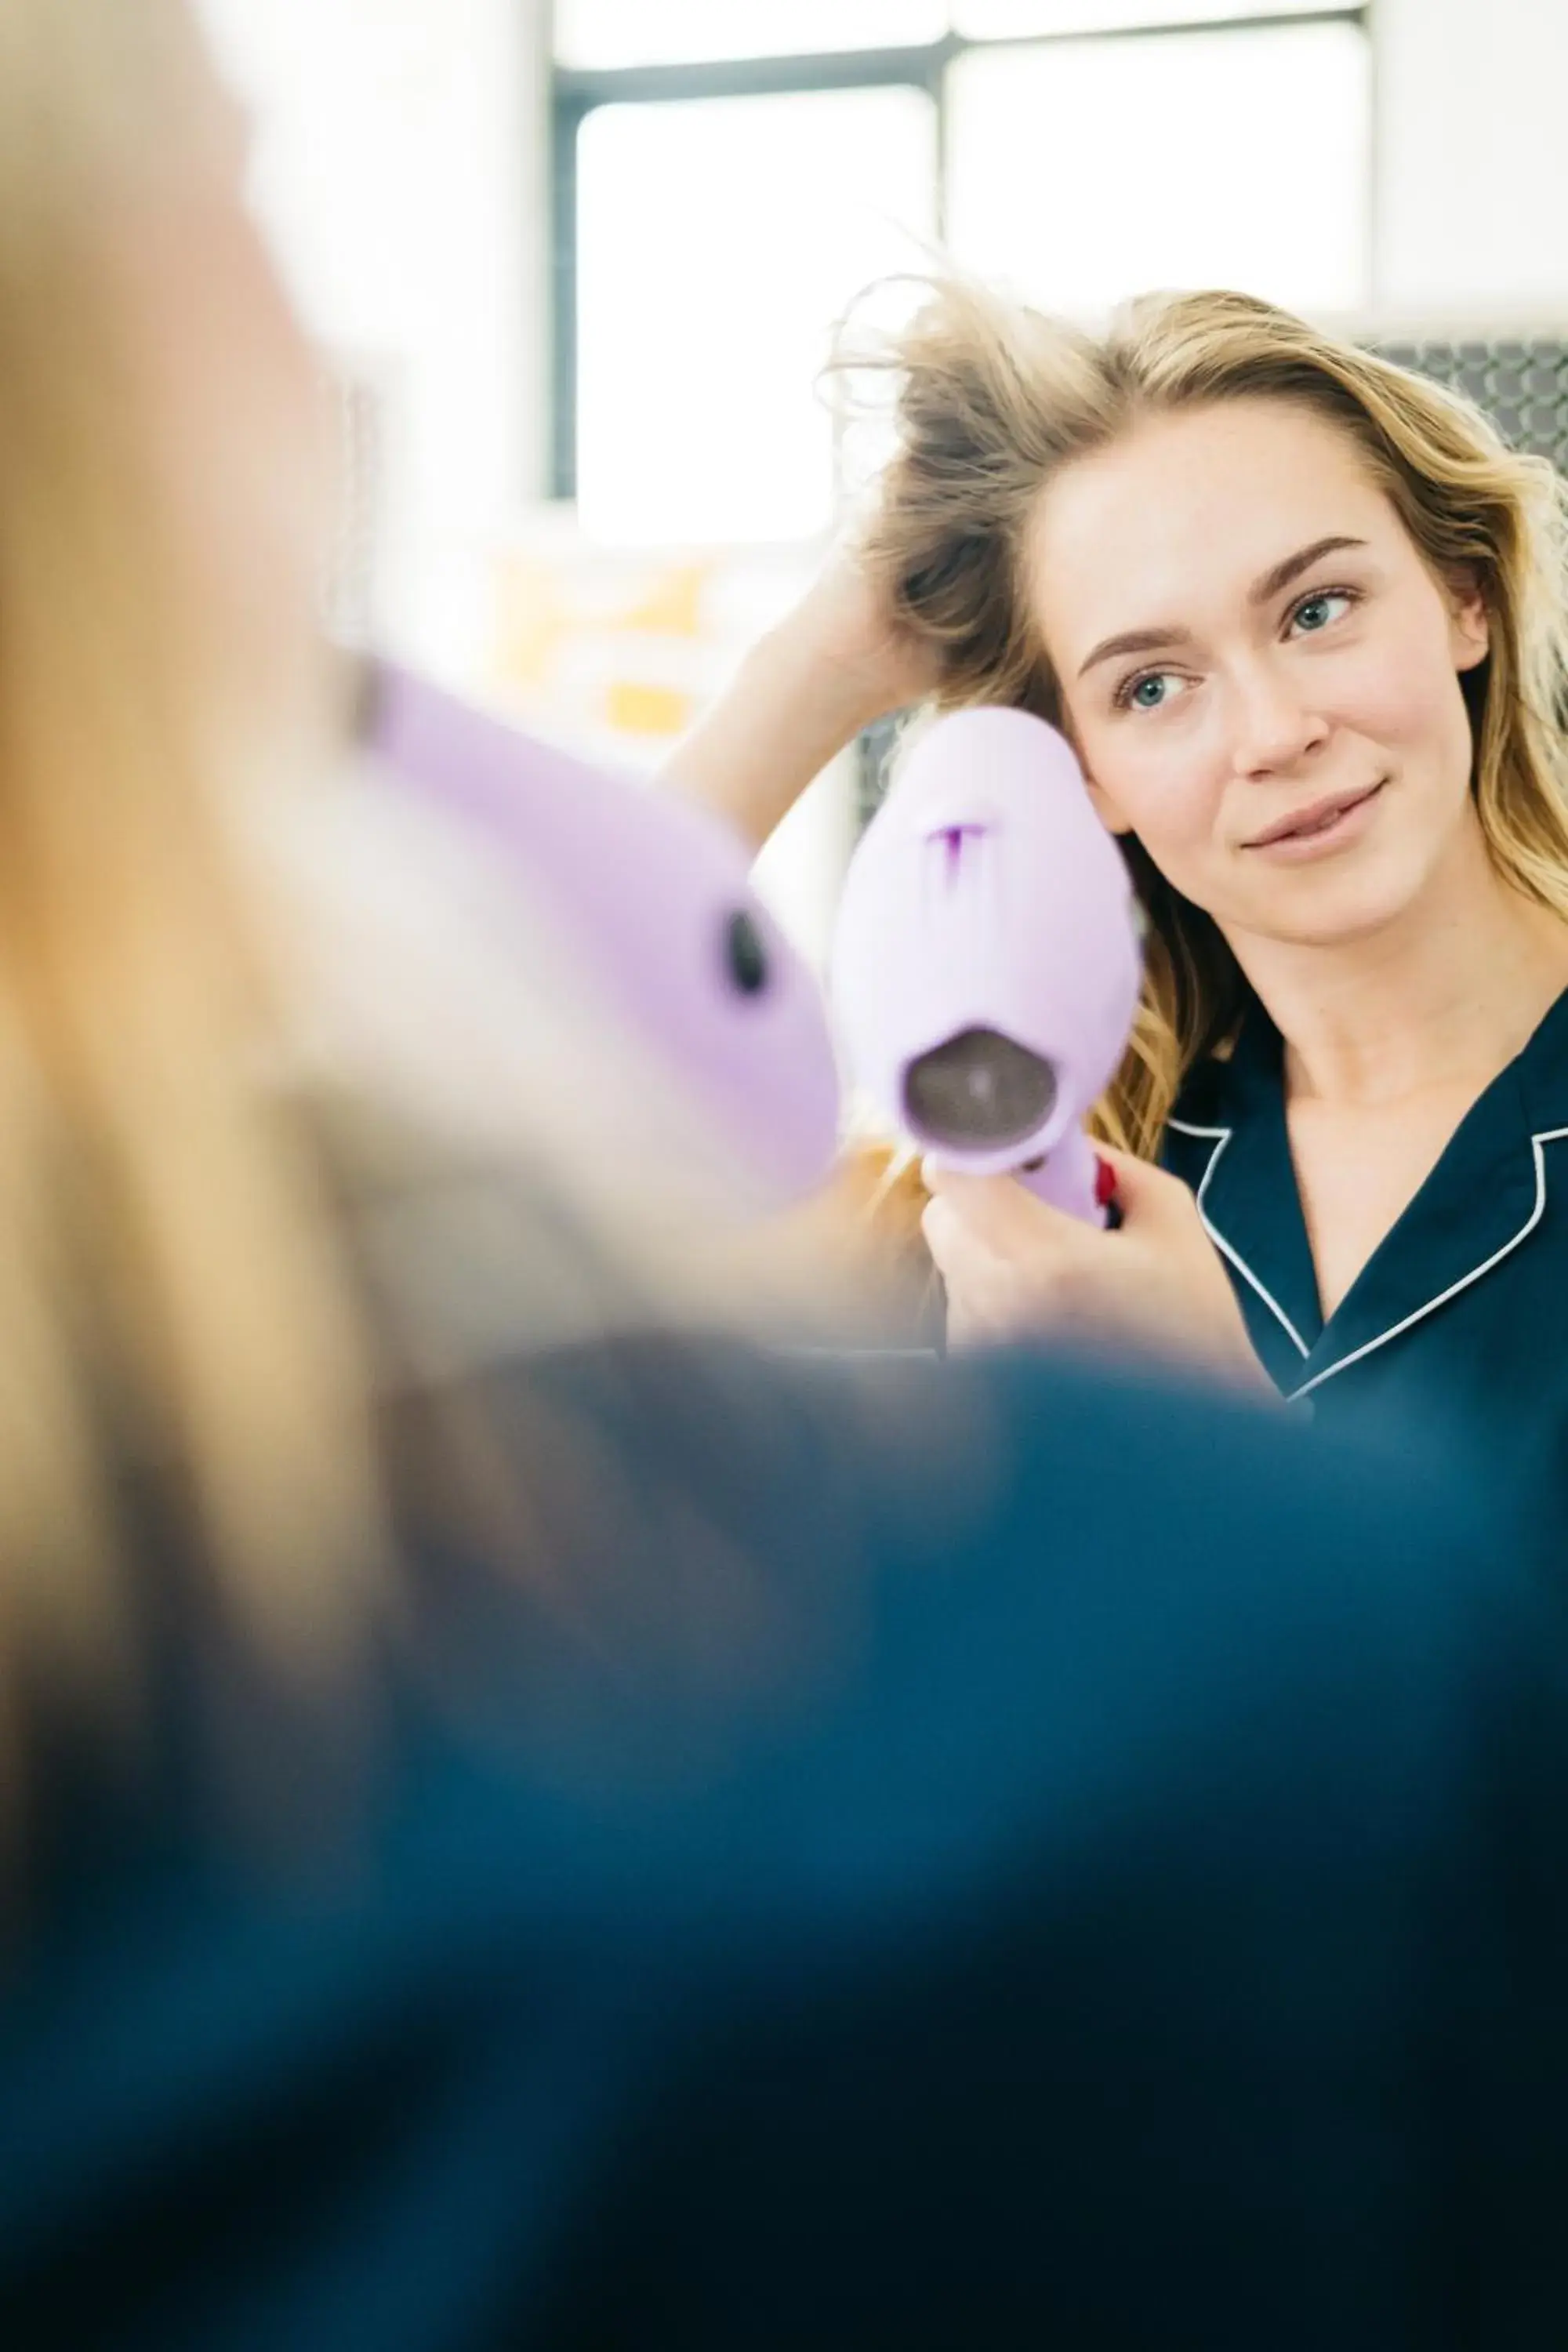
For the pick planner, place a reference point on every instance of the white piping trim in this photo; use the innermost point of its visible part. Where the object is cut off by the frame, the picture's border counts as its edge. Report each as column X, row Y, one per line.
column 1220, row 1136
column 1547, row 1135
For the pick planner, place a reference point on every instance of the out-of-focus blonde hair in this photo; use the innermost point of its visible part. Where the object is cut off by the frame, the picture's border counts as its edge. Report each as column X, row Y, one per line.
column 165, row 1273
column 307, row 1127
column 994, row 398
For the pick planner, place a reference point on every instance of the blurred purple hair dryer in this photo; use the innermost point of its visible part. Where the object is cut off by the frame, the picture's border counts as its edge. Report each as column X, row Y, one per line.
column 657, row 897
column 985, row 970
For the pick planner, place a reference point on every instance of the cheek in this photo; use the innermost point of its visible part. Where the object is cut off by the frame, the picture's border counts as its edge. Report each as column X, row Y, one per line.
column 1404, row 695
column 1161, row 781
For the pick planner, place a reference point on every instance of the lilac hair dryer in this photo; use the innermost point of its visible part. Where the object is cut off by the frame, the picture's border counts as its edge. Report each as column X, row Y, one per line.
column 986, row 965
column 658, row 897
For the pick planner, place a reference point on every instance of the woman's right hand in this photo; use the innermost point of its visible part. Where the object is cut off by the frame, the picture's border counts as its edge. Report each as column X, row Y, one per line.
column 837, row 662
column 842, row 623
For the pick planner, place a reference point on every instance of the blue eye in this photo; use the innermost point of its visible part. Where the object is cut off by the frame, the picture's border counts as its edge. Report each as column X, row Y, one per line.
column 1315, row 614
column 1152, row 691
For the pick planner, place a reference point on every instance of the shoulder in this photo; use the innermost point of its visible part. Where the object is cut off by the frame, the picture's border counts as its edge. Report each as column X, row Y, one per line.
column 877, row 1744
column 651, row 1540
column 1020, row 1469
column 1172, row 1665
column 834, row 1641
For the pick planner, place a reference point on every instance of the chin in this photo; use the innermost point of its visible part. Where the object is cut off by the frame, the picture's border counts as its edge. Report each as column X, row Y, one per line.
column 1345, row 916
column 1345, row 909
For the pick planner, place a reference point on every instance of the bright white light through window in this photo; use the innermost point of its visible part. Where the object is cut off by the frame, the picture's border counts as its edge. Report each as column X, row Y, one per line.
column 1084, row 172
column 719, row 241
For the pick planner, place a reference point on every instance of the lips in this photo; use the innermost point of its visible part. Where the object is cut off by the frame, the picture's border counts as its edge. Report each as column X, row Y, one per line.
column 1318, row 818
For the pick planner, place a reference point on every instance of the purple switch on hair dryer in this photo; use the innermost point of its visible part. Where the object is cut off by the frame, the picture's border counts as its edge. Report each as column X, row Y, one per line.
column 657, row 898
column 985, row 970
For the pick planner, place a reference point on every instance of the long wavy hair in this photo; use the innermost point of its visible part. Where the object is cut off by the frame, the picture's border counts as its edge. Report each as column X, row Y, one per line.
column 991, row 399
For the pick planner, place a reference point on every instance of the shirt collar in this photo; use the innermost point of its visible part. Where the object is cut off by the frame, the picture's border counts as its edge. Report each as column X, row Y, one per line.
column 1480, row 1203
column 1247, row 1193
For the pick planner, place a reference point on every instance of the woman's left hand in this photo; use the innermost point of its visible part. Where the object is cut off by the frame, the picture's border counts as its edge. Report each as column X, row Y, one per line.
column 1014, row 1268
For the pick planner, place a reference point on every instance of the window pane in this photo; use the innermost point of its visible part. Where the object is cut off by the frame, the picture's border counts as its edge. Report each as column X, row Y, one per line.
column 719, row 240
column 603, row 33
column 1234, row 159
column 1000, row 20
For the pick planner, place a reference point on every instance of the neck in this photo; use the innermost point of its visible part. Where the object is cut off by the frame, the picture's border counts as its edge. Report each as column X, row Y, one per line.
column 1445, row 996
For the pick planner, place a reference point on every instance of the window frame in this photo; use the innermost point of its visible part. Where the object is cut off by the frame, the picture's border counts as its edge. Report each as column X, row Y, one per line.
column 576, row 92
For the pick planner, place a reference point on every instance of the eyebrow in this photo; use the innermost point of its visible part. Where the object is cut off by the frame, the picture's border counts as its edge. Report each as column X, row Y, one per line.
column 1262, row 591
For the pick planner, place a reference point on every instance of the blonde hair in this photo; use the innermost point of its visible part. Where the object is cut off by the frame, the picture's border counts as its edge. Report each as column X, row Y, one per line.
column 302, row 1134
column 994, row 398
column 167, row 1290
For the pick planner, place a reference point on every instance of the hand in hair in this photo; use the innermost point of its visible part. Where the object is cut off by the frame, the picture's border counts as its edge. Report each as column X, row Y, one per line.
column 837, row 661
column 845, row 621
column 1016, row 1268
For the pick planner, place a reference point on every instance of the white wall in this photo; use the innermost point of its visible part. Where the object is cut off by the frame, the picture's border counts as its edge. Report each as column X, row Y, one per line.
column 1472, row 168
column 401, row 165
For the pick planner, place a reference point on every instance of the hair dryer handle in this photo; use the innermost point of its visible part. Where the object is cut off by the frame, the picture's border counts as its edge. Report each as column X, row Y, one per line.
column 1070, row 1178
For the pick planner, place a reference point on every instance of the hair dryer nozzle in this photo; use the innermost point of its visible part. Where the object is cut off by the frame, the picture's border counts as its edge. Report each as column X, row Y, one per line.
column 979, row 1091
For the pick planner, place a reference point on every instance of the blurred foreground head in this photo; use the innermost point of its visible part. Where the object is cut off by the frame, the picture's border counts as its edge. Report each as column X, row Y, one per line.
column 210, row 972
column 162, row 478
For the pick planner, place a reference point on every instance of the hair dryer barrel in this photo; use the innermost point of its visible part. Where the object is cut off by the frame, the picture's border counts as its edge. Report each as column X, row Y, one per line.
column 655, row 899
column 986, row 969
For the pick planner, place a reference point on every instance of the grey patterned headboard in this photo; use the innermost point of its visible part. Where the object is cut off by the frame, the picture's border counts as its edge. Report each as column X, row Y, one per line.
column 1521, row 381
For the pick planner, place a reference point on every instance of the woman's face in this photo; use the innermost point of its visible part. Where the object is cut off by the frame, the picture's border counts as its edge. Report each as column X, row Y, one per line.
column 1260, row 672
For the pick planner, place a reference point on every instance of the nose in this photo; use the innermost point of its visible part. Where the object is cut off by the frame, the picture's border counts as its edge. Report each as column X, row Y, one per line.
column 1273, row 730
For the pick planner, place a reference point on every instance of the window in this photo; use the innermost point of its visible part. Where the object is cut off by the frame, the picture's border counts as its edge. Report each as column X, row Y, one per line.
column 730, row 173
column 1082, row 171
column 718, row 241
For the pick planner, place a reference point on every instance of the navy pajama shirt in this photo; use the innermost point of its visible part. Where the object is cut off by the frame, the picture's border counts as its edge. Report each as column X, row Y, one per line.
column 1461, row 1312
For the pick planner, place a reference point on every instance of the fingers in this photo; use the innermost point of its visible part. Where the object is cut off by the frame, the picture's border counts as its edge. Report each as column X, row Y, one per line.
column 1005, row 1258
column 940, row 1180
column 955, row 1248
column 986, row 1299
column 996, row 1204
column 972, row 1257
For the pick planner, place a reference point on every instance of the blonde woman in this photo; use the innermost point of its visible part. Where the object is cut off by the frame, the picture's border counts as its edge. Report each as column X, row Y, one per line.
column 513, row 1836
column 1303, row 617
